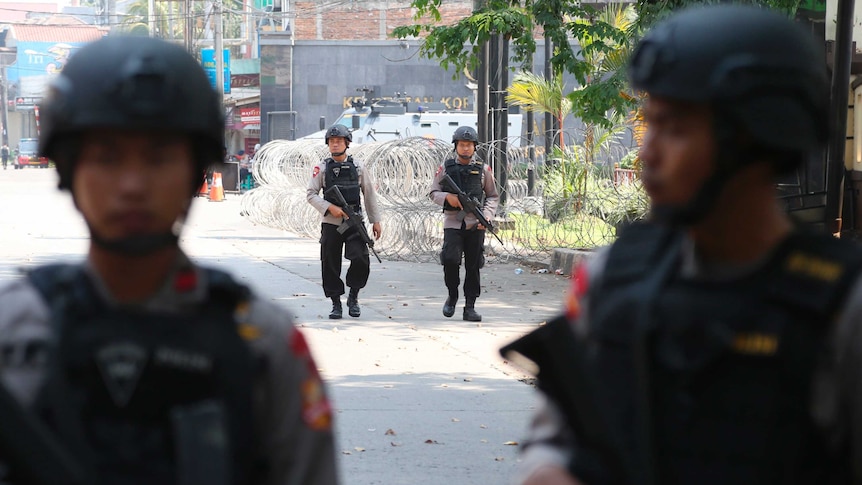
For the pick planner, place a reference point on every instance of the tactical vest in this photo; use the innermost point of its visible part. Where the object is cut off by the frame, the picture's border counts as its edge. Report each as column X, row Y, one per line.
column 144, row 398
column 346, row 177
column 710, row 383
column 469, row 178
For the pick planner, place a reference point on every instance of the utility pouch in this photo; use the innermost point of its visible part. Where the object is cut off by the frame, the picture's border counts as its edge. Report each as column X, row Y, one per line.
column 201, row 444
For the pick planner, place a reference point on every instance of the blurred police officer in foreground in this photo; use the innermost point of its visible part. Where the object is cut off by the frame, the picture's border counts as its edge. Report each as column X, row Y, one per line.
column 354, row 183
column 720, row 342
column 148, row 368
column 462, row 233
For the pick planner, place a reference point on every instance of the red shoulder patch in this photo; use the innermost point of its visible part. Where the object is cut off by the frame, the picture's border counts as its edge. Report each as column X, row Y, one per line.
column 316, row 410
column 580, row 285
column 488, row 168
column 316, row 171
column 439, row 169
column 186, row 280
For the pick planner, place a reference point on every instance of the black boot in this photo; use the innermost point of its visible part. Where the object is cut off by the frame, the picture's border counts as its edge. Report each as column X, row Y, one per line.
column 470, row 311
column 353, row 303
column 335, row 314
column 449, row 306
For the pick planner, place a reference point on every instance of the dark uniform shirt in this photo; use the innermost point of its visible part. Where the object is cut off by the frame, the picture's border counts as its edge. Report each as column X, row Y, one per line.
column 836, row 401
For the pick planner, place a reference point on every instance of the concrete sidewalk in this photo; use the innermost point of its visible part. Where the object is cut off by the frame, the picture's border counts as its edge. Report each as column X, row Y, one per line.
column 419, row 398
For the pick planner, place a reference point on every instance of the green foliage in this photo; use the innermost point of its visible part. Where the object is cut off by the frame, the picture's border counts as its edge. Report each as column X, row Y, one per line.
column 651, row 11
column 579, row 230
column 628, row 161
column 616, row 204
column 447, row 42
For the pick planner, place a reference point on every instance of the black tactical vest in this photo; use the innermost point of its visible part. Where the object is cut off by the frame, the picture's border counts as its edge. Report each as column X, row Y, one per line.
column 711, row 383
column 346, row 177
column 144, row 398
column 469, row 179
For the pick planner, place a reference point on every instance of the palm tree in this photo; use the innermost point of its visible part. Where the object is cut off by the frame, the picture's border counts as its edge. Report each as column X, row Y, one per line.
column 539, row 95
column 137, row 19
column 535, row 93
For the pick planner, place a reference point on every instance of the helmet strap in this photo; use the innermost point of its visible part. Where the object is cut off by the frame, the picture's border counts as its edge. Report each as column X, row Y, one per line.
column 135, row 246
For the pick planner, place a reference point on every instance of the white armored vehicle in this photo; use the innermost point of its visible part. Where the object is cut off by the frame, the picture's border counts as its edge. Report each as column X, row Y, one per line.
column 387, row 120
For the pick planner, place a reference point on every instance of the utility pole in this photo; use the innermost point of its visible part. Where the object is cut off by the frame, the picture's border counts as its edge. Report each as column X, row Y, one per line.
column 218, row 47
column 151, row 17
column 4, row 94
column 835, row 170
column 190, row 26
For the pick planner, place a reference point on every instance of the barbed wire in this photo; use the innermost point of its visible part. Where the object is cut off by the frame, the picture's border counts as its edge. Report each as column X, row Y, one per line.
column 561, row 204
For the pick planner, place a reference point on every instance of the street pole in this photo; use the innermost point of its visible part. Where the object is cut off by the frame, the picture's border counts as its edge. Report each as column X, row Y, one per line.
column 4, row 95
column 838, row 117
column 151, row 17
column 218, row 48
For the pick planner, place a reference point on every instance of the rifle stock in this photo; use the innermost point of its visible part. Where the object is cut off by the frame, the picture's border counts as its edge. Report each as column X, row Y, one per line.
column 353, row 220
column 469, row 204
column 557, row 357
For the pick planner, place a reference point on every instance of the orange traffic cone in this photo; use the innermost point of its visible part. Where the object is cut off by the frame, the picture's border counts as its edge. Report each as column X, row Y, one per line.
column 217, row 190
column 205, row 190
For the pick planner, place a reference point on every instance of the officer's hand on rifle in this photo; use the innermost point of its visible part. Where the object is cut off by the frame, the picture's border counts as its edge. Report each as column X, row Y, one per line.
column 336, row 211
column 376, row 230
column 453, row 200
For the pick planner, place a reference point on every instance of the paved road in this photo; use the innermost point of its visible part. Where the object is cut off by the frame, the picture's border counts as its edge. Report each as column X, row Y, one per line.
column 420, row 399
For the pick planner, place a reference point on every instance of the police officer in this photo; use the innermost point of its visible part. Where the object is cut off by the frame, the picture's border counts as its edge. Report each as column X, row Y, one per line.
column 721, row 342
column 147, row 367
column 340, row 169
column 462, row 233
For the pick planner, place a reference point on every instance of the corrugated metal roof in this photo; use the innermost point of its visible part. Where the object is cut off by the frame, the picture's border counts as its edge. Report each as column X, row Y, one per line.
column 56, row 33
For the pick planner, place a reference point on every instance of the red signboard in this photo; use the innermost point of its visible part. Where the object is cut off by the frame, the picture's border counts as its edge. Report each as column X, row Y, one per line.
column 249, row 116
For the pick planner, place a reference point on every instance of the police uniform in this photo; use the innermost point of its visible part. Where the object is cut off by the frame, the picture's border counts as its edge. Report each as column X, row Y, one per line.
column 700, row 368
column 460, row 235
column 754, row 369
column 355, row 185
column 122, row 386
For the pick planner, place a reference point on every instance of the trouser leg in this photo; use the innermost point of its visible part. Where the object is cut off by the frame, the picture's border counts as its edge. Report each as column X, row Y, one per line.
column 474, row 259
column 331, row 243
column 450, row 258
column 356, row 252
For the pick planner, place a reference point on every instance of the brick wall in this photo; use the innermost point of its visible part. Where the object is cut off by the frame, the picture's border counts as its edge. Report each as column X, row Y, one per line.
column 363, row 20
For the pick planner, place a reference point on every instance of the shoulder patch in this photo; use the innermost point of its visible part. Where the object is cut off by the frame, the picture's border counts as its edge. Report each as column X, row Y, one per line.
column 316, row 410
column 439, row 169
column 488, row 168
column 580, row 283
column 316, row 171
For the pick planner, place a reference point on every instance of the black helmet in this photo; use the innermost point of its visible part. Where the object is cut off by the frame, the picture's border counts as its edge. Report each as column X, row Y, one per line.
column 465, row 133
column 338, row 131
column 135, row 83
column 754, row 65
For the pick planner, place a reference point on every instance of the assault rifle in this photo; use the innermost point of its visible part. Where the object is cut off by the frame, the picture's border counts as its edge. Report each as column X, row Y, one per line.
column 32, row 453
column 353, row 220
column 562, row 376
column 468, row 204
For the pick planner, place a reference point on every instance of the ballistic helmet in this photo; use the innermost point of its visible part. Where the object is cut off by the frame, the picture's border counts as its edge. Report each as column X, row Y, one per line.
column 754, row 65
column 338, row 130
column 465, row 133
column 137, row 83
